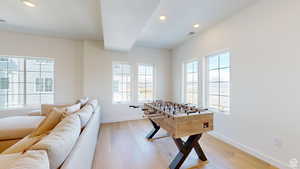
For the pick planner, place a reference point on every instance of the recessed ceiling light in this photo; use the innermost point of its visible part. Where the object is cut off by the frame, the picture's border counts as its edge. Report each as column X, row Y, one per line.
column 29, row 3
column 162, row 18
column 196, row 26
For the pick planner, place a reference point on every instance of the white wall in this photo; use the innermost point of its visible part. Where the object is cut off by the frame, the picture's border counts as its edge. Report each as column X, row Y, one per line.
column 67, row 55
column 265, row 56
column 97, row 76
column 84, row 68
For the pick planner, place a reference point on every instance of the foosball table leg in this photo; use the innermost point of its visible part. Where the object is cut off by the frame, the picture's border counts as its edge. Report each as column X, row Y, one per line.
column 200, row 152
column 154, row 131
column 184, row 150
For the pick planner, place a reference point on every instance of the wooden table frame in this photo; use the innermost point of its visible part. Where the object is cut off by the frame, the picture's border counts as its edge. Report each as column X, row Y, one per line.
column 184, row 148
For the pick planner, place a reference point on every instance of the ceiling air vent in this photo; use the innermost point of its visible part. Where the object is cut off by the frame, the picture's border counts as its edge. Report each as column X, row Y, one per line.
column 191, row 33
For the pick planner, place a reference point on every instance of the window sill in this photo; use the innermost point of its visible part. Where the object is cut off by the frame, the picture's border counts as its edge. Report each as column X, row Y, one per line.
column 120, row 103
column 20, row 108
column 219, row 111
column 20, row 111
column 145, row 101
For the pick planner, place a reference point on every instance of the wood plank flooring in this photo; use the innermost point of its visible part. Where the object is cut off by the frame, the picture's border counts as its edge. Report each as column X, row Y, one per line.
column 123, row 146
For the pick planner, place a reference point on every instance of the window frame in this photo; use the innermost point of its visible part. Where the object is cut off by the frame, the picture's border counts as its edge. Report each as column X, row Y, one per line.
column 25, row 105
column 184, row 81
column 206, row 83
column 136, row 82
column 45, row 84
column 131, row 83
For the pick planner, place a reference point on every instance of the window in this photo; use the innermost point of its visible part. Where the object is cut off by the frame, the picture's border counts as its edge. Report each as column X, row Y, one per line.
column 145, row 83
column 121, row 83
column 39, row 83
column 218, row 78
column 191, row 82
column 48, row 84
column 44, row 85
column 22, row 81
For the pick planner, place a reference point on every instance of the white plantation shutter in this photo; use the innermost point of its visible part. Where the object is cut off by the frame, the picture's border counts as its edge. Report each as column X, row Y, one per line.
column 23, row 81
column 145, row 82
column 121, row 83
column 218, row 94
column 191, row 82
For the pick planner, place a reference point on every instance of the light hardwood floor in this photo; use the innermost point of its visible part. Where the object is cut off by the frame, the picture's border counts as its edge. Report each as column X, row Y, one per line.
column 123, row 146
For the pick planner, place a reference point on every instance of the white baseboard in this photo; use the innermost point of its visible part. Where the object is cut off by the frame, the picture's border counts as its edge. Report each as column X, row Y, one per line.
column 251, row 151
column 120, row 120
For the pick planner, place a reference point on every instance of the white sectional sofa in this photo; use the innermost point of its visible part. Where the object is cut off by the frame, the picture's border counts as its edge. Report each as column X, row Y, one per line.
column 70, row 145
column 82, row 155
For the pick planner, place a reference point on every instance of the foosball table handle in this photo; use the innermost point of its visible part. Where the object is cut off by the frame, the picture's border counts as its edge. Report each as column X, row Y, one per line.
column 154, row 116
column 133, row 106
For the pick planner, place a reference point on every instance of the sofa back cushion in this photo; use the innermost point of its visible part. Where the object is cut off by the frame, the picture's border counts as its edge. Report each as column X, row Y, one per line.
column 60, row 140
column 28, row 160
column 82, row 154
column 51, row 120
column 85, row 114
column 83, row 101
column 17, row 127
column 73, row 108
column 93, row 103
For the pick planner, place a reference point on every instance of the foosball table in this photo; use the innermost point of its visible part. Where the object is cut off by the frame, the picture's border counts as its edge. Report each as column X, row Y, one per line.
column 179, row 120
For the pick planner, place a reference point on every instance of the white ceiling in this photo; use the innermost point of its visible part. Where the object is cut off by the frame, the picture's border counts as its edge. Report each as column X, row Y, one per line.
column 76, row 19
column 125, row 22
column 182, row 15
column 137, row 21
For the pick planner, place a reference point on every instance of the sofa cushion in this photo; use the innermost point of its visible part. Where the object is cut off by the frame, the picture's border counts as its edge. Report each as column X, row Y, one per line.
column 82, row 154
column 73, row 108
column 23, row 145
column 60, row 141
column 17, row 127
column 51, row 120
column 85, row 114
column 93, row 103
column 83, row 101
column 28, row 160
column 7, row 159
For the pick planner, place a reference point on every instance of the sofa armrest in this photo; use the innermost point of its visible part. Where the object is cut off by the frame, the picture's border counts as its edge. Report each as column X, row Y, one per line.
column 16, row 127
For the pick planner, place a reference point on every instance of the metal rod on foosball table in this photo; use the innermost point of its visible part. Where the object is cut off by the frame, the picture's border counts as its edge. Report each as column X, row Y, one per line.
column 154, row 116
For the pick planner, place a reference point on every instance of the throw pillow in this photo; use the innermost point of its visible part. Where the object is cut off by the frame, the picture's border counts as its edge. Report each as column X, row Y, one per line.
column 51, row 120
column 23, row 145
